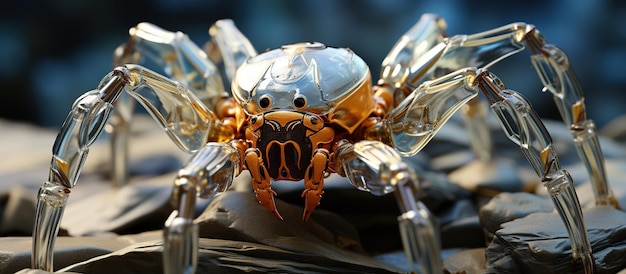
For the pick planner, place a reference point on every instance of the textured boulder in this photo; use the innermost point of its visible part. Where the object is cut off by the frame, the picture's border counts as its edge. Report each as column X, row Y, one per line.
column 238, row 235
column 506, row 207
column 539, row 243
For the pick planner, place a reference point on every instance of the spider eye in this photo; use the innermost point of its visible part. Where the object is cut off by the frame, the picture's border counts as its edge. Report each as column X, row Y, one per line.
column 265, row 102
column 299, row 102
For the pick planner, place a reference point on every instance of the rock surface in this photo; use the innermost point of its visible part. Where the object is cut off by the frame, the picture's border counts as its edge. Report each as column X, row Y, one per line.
column 352, row 231
column 507, row 207
column 539, row 243
column 237, row 236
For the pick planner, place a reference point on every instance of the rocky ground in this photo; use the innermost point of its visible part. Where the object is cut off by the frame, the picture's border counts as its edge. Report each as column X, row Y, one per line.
column 495, row 217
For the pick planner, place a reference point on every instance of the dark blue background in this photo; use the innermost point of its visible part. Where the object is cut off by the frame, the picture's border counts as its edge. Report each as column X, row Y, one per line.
column 53, row 51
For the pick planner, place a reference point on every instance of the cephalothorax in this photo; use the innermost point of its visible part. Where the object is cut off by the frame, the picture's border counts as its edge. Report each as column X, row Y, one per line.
column 304, row 111
column 299, row 100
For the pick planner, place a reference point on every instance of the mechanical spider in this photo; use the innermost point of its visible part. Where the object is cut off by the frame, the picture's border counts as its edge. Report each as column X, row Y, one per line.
column 305, row 110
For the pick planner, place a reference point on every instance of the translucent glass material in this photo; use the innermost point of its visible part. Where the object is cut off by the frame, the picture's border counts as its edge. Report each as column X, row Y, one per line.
column 588, row 146
column 50, row 206
column 422, row 37
column 82, row 126
column 180, row 58
column 561, row 189
column 416, row 120
column 210, row 172
column 421, row 240
column 180, row 234
column 364, row 162
column 234, row 47
column 419, row 229
column 439, row 62
column 119, row 130
column 558, row 77
column 474, row 115
column 213, row 167
column 375, row 167
column 177, row 56
column 180, row 245
column 80, row 129
column 480, row 50
column 523, row 127
column 188, row 122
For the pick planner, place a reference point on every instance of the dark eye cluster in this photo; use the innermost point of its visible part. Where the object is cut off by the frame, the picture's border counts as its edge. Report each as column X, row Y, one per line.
column 265, row 102
column 299, row 102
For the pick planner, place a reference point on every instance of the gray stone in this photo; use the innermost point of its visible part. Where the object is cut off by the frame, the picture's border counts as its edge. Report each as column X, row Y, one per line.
column 238, row 235
column 17, row 208
column 496, row 176
column 465, row 232
column 507, row 207
column 539, row 243
column 616, row 172
column 460, row 227
column 16, row 251
column 470, row 261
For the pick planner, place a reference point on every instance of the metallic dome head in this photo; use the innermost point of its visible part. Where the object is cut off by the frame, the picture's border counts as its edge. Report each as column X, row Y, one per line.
column 308, row 77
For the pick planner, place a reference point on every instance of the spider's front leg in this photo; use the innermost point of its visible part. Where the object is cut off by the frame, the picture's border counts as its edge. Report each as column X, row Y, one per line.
column 377, row 168
column 181, row 114
column 82, row 126
column 182, row 60
column 209, row 172
column 418, row 117
column 425, row 53
column 558, row 77
column 408, row 128
column 178, row 57
column 523, row 127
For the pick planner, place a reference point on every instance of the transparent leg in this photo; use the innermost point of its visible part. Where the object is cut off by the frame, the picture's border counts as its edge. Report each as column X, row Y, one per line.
column 377, row 168
column 82, row 126
column 50, row 205
column 180, row 245
column 475, row 116
column 420, row 238
column 588, row 146
column 119, row 130
column 523, row 126
column 209, row 172
column 561, row 189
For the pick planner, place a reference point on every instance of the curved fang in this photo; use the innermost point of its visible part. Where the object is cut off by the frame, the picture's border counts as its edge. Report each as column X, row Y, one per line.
column 314, row 182
column 261, row 182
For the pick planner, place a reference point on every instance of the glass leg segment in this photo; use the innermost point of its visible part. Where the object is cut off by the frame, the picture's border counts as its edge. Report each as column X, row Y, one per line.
column 119, row 154
column 50, row 205
column 588, row 147
column 475, row 117
column 418, row 229
column 180, row 245
column 420, row 238
column 119, row 130
column 564, row 196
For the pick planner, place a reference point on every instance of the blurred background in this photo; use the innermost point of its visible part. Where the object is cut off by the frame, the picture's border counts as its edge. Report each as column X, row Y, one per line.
column 53, row 51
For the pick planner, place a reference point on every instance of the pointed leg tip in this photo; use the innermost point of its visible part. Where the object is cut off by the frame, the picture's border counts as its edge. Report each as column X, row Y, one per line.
column 277, row 215
column 312, row 200
column 306, row 215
